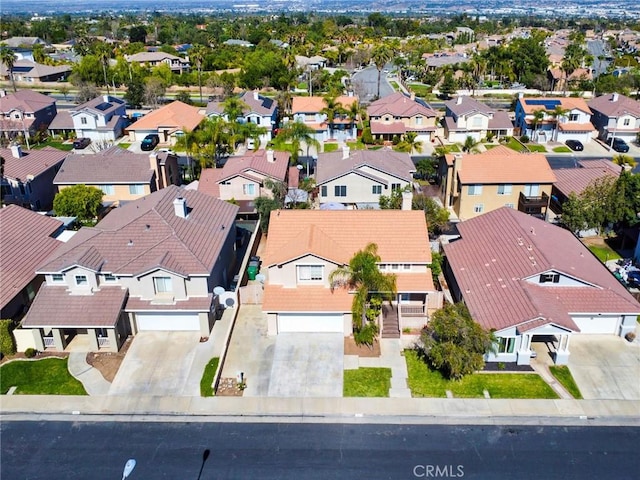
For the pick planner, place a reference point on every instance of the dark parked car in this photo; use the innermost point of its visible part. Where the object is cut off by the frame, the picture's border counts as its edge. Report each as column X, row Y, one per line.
column 575, row 145
column 149, row 142
column 618, row 145
column 80, row 143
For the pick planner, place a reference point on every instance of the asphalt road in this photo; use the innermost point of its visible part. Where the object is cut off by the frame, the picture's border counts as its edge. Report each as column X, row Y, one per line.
column 569, row 161
column 365, row 84
column 96, row 451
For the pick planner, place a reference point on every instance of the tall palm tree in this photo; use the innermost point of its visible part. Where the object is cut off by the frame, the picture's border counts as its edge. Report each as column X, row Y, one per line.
column 197, row 54
column 103, row 52
column 558, row 113
column 189, row 142
column 233, row 108
column 331, row 110
column 293, row 135
column 381, row 55
column 9, row 59
column 538, row 117
column 413, row 145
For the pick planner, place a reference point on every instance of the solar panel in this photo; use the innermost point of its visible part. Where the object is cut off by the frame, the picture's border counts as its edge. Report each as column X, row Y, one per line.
column 546, row 103
column 103, row 106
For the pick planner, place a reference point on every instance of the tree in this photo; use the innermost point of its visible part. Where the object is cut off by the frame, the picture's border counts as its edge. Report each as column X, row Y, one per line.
column 538, row 117
column 573, row 214
column 624, row 160
column 409, row 143
column 9, row 59
column 363, row 275
column 137, row 34
column 426, row 168
column 197, row 54
column 264, row 207
column 86, row 92
column 135, row 93
column 104, row 54
column 448, row 85
column 78, row 201
column 453, row 343
column 470, row 144
column 392, row 201
column 154, row 89
column 436, row 215
column 332, row 109
column 292, row 135
column 380, row 56
column 558, row 113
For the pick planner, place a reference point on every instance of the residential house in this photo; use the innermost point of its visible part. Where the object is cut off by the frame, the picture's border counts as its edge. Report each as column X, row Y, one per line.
column 120, row 174
column 169, row 122
column 27, row 177
column 472, row 184
column 177, row 65
column 305, row 246
column 27, row 239
column 357, row 179
column 261, row 110
column 467, row 117
column 242, row 179
column 576, row 180
column 560, row 82
column 434, row 61
column 315, row 62
column 25, row 112
column 102, row 119
column 561, row 119
column 22, row 47
column 531, row 281
column 31, row 72
column 311, row 112
column 616, row 115
column 152, row 264
column 233, row 42
column 396, row 114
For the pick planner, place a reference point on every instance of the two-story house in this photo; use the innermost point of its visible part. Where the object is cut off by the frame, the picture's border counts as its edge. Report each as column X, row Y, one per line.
column 616, row 115
column 24, row 113
column 177, row 65
column 467, row 117
column 554, row 119
column 242, row 179
column 168, row 122
column 357, row 179
column 258, row 109
column 472, row 184
column 397, row 114
column 102, row 119
column 27, row 177
column 120, row 174
column 152, row 264
column 312, row 112
column 305, row 246
column 531, row 281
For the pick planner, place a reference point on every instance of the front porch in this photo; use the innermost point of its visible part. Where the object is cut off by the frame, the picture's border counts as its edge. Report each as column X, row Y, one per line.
column 69, row 339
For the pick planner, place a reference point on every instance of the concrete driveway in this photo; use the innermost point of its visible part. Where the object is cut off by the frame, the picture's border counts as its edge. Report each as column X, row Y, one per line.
column 157, row 363
column 605, row 367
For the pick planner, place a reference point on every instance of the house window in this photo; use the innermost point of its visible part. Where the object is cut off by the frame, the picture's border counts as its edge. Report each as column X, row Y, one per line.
column 478, row 208
column 57, row 278
column 531, row 190
column 382, row 266
column 475, row 189
column 249, row 189
column 162, row 284
column 109, row 277
column 477, row 122
column 418, row 120
column 136, row 189
column 504, row 189
column 549, row 278
column 395, row 266
column 509, row 205
column 406, row 266
column 83, row 120
column 340, row 190
column 81, row 280
column 573, row 117
column 395, row 186
column 309, row 272
column 107, row 189
column 323, row 191
column 506, row 344
column 376, row 189
column 626, row 122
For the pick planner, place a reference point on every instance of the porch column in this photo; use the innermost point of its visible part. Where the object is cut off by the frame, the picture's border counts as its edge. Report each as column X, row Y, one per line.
column 93, row 339
column 562, row 352
column 132, row 323
column 524, row 352
column 58, row 339
column 37, row 338
column 400, row 326
column 113, row 340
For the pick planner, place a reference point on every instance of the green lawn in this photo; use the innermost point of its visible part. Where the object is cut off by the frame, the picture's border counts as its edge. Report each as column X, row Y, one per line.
column 425, row 382
column 419, row 89
column 206, row 383
column 604, row 252
column 489, row 146
column 356, row 145
column 330, row 147
column 562, row 149
column 563, row 375
column 55, row 144
column 394, row 85
column 48, row 376
column 367, row 382
column 513, row 144
column 124, row 145
column 534, row 147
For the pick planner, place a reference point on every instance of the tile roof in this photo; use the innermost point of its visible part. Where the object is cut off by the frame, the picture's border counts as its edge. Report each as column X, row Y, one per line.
column 622, row 105
column 146, row 234
column 192, row 304
column 33, row 69
column 261, row 105
column 503, row 165
column 62, row 121
column 102, row 105
column 414, row 282
column 26, row 241
column 333, row 165
column 394, row 128
column 400, row 105
column 29, row 101
column 338, row 235
column 576, row 127
column 177, row 115
column 567, row 103
column 500, row 249
column 208, row 182
column 500, row 120
column 294, row 177
column 111, row 166
column 32, row 162
column 306, row 299
column 316, row 104
column 54, row 307
column 257, row 162
column 153, row 57
column 465, row 105
column 577, row 179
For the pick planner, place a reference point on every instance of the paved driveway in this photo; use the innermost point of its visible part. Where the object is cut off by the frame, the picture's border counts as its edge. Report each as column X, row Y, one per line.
column 157, row 363
column 605, row 367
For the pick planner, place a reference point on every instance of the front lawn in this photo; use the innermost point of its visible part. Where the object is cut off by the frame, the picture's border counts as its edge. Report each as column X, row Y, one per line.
column 425, row 382
column 513, row 144
column 330, row 147
column 206, row 383
column 563, row 375
column 535, row 147
column 357, row 145
column 604, row 252
column 55, row 144
column 562, row 149
column 48, row 376
column 419, row 89
column 367, row 382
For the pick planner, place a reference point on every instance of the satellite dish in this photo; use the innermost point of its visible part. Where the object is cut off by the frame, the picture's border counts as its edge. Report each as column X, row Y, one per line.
column 228, row 299
column 218, row 290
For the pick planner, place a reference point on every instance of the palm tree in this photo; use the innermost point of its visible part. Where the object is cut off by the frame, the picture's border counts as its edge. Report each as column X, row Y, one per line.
column 234, row 108
column 189, row 142
column 470, row 144
column 9, row 59
column 624, row 160
column 538, row 117
column 252, row 131
column 413, row 145
column 331, row 110
column 104, row 54
column 381, row 55
column 292, row 135
column 557, row 114
column 426, row 168
column 197, row 54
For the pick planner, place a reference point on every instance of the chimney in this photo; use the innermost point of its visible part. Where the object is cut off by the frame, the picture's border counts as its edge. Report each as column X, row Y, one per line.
column 407, row 198
column 345, row 152
column 459, row 101
column 520, row 94
column 3, row 92
column 16, row 150
column 413, row 96
column 255, row 95
column 614, row 98
column 270, row 156
column 105, row 98
column 180, row 207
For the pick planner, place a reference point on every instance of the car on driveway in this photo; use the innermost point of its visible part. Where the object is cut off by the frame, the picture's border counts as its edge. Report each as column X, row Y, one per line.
column 575, row 145
column 618, row 144
column 149, row 142
column 81, row 143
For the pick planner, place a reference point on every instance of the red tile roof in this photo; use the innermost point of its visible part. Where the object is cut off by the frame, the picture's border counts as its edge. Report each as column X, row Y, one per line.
column 257, row 162
column 112, row 166
column 28, row 101
column 615, row 105
column 399, row 105
column 577, row 179
column 176, row 115
column 32, row 162
column 208, row 182
column 332, row 165
column 306, row 299
column 316, row 104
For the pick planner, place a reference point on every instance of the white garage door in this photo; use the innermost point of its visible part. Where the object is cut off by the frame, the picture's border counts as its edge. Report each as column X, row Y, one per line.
column 598, row 324
column 310, row 323
column 168, row 321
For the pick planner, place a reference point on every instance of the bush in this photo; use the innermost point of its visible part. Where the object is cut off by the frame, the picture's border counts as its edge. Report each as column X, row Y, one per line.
column 367, row 138
column 524, row 139
column 395, row 140
column 366, row 335
column 7, row 342
column 30, row 352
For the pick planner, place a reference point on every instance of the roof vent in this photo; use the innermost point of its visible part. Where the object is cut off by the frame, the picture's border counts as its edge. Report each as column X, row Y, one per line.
column 16, row 151
column 533, row 231
column 147, row 227
column 130, row 243
column 614, row 97
column 270, row 156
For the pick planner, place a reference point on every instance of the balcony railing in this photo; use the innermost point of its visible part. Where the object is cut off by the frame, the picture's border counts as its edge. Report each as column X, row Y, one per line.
column 409, row 310
column 533, row 204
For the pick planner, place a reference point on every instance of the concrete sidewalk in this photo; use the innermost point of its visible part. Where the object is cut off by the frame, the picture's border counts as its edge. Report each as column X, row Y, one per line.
column 93, row 381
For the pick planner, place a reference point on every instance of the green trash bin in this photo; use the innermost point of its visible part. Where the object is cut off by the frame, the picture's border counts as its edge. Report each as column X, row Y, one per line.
column 252, row 271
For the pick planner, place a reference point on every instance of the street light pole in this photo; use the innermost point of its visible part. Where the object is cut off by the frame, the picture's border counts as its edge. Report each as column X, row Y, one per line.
column 128, row 468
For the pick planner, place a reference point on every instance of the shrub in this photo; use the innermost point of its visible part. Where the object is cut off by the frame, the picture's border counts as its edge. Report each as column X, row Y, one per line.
column 631, row 336
column 367, row 138
column 7, row 342
column 524, row 139
column 395, row 140
column 30, row 352
column 366, row 335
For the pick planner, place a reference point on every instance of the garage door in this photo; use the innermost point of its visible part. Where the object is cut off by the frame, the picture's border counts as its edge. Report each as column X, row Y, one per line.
column 168, row 321
column 310, row 323
column 598, row 324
